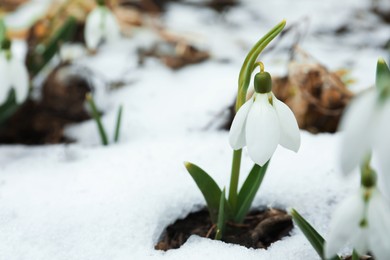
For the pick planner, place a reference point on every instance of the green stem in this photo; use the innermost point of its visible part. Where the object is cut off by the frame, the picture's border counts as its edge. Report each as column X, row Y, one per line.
column 234, row 178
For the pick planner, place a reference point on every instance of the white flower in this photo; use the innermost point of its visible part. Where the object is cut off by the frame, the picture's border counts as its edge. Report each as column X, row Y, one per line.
column 70, row 52
column 13, row 75
column 362, row 224
column 261, row 124
column 101, row 25
column 366, row 127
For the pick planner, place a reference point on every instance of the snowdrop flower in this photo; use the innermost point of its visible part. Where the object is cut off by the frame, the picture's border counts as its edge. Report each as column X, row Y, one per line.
column 263, row 122
column 366, row 125
column 101, row 25
column 363, row 222
column 70, row 52
column 13, row 75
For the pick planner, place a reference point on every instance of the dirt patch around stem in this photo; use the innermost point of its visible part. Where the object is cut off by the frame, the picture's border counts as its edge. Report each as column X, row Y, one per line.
column 259, row 230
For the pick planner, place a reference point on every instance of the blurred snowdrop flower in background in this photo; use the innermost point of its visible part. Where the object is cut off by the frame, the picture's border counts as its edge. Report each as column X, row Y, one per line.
column 263, row 122
column 70, row 52
column 366, row 126
column 361, row 221
column 13, row 75
column 101, row 25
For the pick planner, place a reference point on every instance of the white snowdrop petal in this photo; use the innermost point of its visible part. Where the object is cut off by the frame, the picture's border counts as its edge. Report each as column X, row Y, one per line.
column 382, row 144
column 93, row 32
column 290, row 136
column 19, row 79
column 4, row 80
column 378, row 218
column 359, row 241
column 262, row 130
column 356, row 126
column 112, row 29
column 344, row 223
column 237, row 129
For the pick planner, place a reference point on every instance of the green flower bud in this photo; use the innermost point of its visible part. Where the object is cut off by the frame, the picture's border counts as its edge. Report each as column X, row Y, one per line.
column 263, row 82
column 6, row 44
column 383, row 79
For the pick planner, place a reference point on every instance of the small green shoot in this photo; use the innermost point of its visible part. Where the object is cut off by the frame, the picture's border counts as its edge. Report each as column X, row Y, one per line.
column 221, row 217
column 9, row 107
column 118, row 124
column 96, row 116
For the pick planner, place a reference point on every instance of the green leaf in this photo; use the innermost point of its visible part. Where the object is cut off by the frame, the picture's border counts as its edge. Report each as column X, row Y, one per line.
column 248, row 191
column 97, row 118
column 221, row 216
column 118, row 124
column 355, row 255
column 315, row 239
column 3, row 31
column 42, row 54
column 383, row 78
column 209, row 188
column 250, row 60
column 9, row 107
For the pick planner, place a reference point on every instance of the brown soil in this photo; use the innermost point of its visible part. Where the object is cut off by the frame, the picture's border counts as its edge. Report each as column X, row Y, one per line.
column 43, row 122
column 175, row 54
column 259, row 229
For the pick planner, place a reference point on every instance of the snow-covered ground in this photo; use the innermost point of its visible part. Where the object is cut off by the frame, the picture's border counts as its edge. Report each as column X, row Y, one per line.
column 85, row 201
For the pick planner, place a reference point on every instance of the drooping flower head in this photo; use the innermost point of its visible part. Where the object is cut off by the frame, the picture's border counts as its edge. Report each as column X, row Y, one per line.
column 13, row 75
column 101, row 25
column 363, row 222
column 366, row 126
column 263, row 122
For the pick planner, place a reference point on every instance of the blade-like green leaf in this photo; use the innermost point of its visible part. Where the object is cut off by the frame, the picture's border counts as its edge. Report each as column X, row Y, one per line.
column 3, row 31
column 9, row 107
column 209, row 188
column 248, row 191
column 43, row 53
column 118, row 124
column 97, row 118
column 248, row 65
column 355, row 255
column 383, row 78
column 221, row 217
column 315, row 239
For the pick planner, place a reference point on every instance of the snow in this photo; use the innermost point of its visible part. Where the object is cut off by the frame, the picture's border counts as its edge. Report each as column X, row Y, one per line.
column 85, row 201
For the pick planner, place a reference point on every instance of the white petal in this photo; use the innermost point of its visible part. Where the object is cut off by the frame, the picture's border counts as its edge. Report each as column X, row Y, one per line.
column 93, row 32
column 360, row 241
column 290, row 137
column 382, row 144
column 111, row 29
column 71, row 51
column 5, row 84
column 19, row 79
column 356, row 125
column 237, row 130
column 262, row 130
column 345, row 224
column 378, row 218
